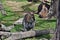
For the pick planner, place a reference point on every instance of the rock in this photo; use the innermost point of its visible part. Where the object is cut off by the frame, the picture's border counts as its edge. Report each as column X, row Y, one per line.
column 19, row 21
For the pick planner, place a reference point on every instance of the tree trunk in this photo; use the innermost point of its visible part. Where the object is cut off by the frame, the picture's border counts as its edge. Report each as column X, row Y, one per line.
column 52, row 10
column 58, row 20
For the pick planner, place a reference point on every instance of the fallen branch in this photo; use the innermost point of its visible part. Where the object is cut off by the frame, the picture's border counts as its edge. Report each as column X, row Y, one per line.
column 2, row 9
column 7, row 28
column 19, row 35
column 6, row 34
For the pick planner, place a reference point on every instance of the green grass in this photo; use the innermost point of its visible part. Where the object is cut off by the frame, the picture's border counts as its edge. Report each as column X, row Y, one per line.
column 44, row 24
column 41, row 24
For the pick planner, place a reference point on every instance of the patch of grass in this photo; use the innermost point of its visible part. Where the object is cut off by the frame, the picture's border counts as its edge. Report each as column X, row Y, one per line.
column 17, row 28
column 44, row 24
